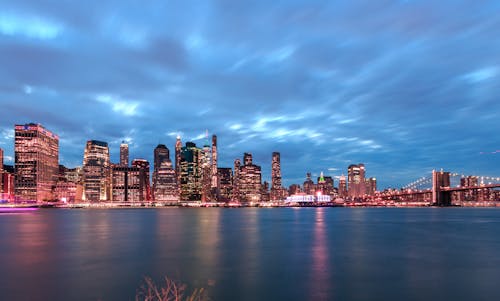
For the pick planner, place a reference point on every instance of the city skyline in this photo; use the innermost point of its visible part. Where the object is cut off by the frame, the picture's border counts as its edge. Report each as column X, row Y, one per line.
column 403, row 87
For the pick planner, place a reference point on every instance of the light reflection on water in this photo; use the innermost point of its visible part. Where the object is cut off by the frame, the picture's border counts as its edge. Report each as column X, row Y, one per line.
column 253, row 254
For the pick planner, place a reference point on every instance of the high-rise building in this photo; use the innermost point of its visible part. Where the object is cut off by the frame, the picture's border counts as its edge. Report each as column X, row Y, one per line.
column 164, row 178
column 96, row 172
column 356, row 180
column 236, row 181
column 371, row 186
column 247, row 159
column 325, row 185
column 215, row 173
column 1, row 170
column 342, row 186
column 250, row 180
column 126, row 184
column 178, row 155
column 1, row 160
column 265, row 196
column 69, row 185
column 36, row 162
column 124, row 154
column 144, row 182
column 277, row 191
column 206, row 173
column 7, row 194
column 294, row 189
column 191, row 172
column 309, row 187
column 225, row 185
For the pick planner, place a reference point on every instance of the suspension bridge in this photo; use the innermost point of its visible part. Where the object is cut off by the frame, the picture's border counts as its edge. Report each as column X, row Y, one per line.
column 442, row 188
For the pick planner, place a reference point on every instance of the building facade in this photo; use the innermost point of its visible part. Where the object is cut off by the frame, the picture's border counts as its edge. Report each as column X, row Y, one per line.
column 144, row 179
column 191, row 172
column 96, row 172
column 36, row 162
column 225, row 184
column 126, row 184
column 356, row 180
column 124, row 154
column 278, row 192
column 250, row 180
column 164, row 177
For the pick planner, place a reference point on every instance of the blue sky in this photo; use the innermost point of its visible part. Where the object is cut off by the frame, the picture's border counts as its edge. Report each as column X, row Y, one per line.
column 402, row 86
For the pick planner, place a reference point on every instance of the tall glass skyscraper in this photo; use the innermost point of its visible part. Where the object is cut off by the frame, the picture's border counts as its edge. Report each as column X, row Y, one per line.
column 36, row 162
column 356, row 180
column 164, row 177
column 124, row 154
column 191, row 172
column 250, row 180
column 277, row 191
column 96, row 172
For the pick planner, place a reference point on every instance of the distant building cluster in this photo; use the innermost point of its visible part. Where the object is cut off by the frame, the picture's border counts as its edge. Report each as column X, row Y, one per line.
column 194, row 175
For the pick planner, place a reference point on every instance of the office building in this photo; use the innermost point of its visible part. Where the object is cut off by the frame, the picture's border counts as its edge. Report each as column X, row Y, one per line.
column 342, row 186
column 215, row 172
column 144, row 179
column 371, row 186
column 36, row 162
column 225, row 183
column 309, row 187
column 124, row 154
column 250, row 180
column 356, row 180
column 7, row 179
column 278, row 193
column 178, row 154
column 236, row 181
column 164, row 177
column 96, row 172
column 1, row 170
column 191, row 172
column 126, row 184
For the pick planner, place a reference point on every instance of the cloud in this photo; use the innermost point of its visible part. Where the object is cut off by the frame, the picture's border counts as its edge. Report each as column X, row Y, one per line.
column 33, row 27
column 126, row 108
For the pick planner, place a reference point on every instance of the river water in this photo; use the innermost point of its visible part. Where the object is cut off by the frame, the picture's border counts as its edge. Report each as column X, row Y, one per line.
column 253, row 254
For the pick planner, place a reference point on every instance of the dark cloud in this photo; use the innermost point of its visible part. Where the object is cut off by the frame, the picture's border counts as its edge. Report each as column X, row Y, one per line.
column 404, row 86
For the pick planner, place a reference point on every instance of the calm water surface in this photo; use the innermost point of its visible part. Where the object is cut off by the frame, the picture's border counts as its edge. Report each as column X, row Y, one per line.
column 253, row 254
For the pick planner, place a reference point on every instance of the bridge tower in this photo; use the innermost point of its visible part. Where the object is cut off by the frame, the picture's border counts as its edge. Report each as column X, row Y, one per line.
column 440, row 179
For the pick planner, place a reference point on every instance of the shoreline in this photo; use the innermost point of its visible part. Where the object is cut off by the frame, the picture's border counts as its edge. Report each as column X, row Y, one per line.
column 33, row 206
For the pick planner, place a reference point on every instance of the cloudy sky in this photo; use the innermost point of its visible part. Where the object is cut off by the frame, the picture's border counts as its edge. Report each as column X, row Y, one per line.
column 402, row 86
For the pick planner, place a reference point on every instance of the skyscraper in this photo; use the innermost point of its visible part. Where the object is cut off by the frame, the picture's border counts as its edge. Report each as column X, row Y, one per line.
column 276, row 189
column 144, row 183
column 178, row 154
column 164, row 178
column 236, row 180
column 356, row 180
column 342, row 186
column 124, row 154
column 215, row 182
column 308, row 184
column 191, row 172
column 250, row 181
column 371, row 186
column 126, row 184
column 96, row 172
column 1, row 160
column 206, row 173
column 225, row 185
column 1, row 171
column 36, row 162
